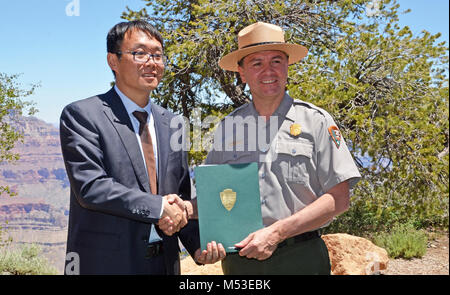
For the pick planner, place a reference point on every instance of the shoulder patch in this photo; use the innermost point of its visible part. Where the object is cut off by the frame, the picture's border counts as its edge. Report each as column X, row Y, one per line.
column 335, row 135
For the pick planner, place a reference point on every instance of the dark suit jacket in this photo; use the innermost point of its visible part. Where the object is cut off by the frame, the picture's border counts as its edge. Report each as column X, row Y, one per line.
column 111, row 207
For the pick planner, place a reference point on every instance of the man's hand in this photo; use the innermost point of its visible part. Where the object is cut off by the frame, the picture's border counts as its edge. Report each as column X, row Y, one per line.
column 214, row 252
column 260, row 244
column 174, row 215
column 191, row 208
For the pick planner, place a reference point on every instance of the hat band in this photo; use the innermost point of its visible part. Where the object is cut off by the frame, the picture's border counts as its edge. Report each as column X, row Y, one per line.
column 262, row 43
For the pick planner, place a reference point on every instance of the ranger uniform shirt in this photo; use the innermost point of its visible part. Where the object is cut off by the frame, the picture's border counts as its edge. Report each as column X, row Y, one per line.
column 300, row 154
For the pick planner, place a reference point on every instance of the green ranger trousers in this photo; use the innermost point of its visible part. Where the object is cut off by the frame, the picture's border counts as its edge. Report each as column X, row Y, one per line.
column 304, row 258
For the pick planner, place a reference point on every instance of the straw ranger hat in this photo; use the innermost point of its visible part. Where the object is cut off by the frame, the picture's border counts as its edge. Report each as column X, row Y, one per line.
column 259, row 37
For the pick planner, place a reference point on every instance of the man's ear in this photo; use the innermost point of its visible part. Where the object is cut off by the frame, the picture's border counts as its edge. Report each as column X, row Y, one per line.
column 241, row 73
column 113, row 61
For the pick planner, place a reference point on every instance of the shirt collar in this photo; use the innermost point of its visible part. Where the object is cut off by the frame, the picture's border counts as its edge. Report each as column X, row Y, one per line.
column 283, row 109
column 130, row 105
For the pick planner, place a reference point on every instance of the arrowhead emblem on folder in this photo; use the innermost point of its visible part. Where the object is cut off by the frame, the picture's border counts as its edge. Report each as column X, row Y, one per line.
column 228, row 198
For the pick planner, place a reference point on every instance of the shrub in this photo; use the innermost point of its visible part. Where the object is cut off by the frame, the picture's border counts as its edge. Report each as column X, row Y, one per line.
column 404, row 241
column 25, row 261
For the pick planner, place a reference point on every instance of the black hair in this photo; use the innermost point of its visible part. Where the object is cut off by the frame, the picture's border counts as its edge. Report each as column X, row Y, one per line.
column 241, row 62
column 117, row 33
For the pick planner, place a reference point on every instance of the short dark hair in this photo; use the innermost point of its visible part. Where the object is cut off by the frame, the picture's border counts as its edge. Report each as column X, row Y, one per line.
column 117, row 33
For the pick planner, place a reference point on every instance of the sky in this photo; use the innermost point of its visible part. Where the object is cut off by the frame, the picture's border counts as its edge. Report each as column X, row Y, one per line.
column 61, row 44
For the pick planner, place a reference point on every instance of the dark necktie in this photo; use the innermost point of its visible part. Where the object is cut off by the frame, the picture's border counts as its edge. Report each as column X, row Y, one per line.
column 147, row 148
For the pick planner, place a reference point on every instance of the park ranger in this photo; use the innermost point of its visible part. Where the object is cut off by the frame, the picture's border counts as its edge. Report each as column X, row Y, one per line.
column 305, row 168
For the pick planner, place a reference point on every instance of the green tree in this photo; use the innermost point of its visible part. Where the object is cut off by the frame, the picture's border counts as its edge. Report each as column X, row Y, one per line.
column 386, row 88
column 12, row 106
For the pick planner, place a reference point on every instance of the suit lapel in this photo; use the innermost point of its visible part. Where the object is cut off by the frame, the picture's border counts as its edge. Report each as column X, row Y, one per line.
column 162, row 138
column 117, row 114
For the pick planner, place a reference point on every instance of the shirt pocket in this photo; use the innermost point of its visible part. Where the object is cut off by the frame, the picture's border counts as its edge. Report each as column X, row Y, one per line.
column 294, row 158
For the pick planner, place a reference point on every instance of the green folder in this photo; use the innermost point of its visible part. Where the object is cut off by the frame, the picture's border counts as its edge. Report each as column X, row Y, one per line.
column 229, row 206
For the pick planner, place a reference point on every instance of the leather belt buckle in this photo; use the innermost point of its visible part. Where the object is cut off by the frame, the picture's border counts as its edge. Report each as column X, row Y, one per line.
column 153, row 250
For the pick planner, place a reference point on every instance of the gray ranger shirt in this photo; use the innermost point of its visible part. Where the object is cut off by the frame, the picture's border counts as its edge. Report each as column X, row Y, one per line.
column 300, row 154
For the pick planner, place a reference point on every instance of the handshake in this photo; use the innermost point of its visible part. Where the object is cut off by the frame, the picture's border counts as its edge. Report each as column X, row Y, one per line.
column 175, row 216
column 176, row 213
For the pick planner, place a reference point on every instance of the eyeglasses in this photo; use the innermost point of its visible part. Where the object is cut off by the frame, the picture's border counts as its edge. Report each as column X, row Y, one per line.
column 144, row 57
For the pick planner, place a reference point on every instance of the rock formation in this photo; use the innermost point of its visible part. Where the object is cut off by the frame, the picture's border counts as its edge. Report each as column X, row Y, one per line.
column 39, row 212
column 351, row 255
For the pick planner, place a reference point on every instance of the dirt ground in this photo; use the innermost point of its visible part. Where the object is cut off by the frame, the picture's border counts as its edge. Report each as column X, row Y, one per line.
column 434, row 262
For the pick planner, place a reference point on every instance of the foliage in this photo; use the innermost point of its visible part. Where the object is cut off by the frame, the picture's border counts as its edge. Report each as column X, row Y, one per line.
column 4, row 241
column 25, row 261
column 403, row 242
column 202, row 133
column 11, row 107
column 387, row 90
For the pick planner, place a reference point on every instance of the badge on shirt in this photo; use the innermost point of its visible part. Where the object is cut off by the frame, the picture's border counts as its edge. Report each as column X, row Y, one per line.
column 335, row 135
column 295, row 129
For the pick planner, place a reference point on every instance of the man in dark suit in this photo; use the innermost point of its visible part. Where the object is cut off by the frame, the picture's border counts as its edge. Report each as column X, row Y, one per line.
column 125, row 176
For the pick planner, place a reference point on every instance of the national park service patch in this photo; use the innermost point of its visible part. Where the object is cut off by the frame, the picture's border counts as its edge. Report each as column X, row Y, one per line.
column 335, row 135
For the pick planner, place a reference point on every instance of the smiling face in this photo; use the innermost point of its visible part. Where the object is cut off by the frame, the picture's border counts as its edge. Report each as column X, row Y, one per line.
column 266, row 74
column 137, row 80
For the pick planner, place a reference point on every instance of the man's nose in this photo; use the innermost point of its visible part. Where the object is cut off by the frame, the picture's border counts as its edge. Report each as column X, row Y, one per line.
column 268, row 67
column 150, row 61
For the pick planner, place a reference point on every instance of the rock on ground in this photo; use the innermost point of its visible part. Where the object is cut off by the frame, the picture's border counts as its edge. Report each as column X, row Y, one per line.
column 351, row 255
